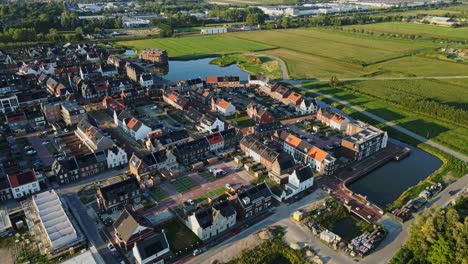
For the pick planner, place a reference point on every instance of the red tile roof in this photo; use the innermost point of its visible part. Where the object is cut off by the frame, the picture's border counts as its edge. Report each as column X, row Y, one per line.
column 22, row 179
column 132, row 122
column 317, row 154
column 215, row 138
column 211, row 79
column 223, row 104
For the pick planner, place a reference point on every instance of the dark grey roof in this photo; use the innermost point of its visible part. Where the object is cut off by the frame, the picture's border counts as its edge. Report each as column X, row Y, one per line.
column 304, row 173
column 255, row 192
column 126, row 225
column 173, row 137
column 225, row 208
column 152, row 245
column 285, row 161
column 204, row 217
column 119, row 188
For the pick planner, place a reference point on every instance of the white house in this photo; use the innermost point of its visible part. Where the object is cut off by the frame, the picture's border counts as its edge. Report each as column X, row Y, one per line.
column 225, row 108
column 299, row 180
column 210, row 124
column 107, row 70
column 146, row 80
column 212, row 221
column 133, row 127
column 339, row 122
column 23, row 184
column 115, row 157
column 216, row 141
column 152, row 249
column 308, row 106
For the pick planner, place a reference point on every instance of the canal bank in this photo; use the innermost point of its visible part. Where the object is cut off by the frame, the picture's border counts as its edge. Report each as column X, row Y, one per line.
column 383, row 185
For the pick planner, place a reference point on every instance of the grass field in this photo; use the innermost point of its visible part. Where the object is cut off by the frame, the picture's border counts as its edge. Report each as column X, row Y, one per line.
column 253, row 64
column 217, row 191
column 179, row 236
column 335, row 45
column 450, row 135
column 243, row 121
column 207, row 176
column 200, row 46
column 187, row 182
column 425, row 31
column 160, row 195
column 421, row 66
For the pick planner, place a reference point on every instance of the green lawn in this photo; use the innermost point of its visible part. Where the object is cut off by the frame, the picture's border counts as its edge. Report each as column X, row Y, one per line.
column 160, row 195
column 450, row 135
column 200, row 46
column 216, row 192
column 243, row 121
column 179, row 236
column 207, row 176
column 425, row 31
column 252, row 64
column 187, row 182
column 179, row 186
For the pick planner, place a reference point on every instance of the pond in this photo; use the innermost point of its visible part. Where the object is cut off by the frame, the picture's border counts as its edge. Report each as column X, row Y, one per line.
column 201, row 68
column 385, row 184
column 346, row 228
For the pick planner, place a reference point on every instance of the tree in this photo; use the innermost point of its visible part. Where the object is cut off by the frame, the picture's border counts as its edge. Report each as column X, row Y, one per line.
column 285, row 22
column 334, row 82
column 252, row 19
column 441, row 253
column 53, row 35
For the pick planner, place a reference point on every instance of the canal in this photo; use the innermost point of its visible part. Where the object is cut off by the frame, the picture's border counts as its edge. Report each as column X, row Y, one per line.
column 184, row 70
column 385, row 184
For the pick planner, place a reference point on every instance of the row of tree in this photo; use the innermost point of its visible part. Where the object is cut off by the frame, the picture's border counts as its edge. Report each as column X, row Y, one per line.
column 437, row 236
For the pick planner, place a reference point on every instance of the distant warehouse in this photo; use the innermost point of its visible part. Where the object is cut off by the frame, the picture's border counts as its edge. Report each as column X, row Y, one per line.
column 211, row 31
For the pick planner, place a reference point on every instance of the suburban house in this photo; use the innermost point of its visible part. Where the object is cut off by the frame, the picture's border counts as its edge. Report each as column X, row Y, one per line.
column 128, row 231
column 338, row 122
column 72, row 113
column 231, row 137
column 23, row 184
column 321, row 161
column 299, row 180
column 216, row 141
column 146, row 80
column 134, row 71
column 253, row 201
column 153, row 249
column 132, row 126
column 308, row 106
column 362, row 141
column 258, row 151
column 259, row 114
column 145, row 169
column 167, row 140
column 132, row 95
column 282, row 166
column 209, row 222
column 224, row 81
column 295, row 99
column 66, row 170
column 107, row 70
column 224, row 107
column 92, row 136
column 177, row 101
column 92, row 163
column 210, row 124
column 116, row 196
column 116, row 157
column 192, row 151
column 17, row 121
column 8, row 103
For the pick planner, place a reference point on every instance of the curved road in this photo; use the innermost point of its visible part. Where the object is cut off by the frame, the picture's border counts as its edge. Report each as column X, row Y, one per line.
column 391, row 124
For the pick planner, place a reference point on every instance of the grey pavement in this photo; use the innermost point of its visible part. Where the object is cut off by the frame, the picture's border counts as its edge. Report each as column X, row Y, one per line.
column 390, row 124
column 90, row 227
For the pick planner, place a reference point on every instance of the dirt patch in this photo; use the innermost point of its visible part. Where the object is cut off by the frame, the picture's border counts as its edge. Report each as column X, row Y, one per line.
column 5, row 256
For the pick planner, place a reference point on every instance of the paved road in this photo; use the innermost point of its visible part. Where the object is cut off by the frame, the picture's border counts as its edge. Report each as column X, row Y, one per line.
column 397, row 232
column 391, row 124
column 89, row 227
column 398, row 78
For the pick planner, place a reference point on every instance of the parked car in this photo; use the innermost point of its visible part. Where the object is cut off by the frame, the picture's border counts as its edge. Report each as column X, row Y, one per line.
column 452, row 192
column 111, row 247
column 196, row 252
column 45, row 142
column 31, row 152
column 235, row 231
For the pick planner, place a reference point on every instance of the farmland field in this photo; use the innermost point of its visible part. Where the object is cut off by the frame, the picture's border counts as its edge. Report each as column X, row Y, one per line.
column 421, row 66
column 200, row 46
column 427, row 31
column 336, row 45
